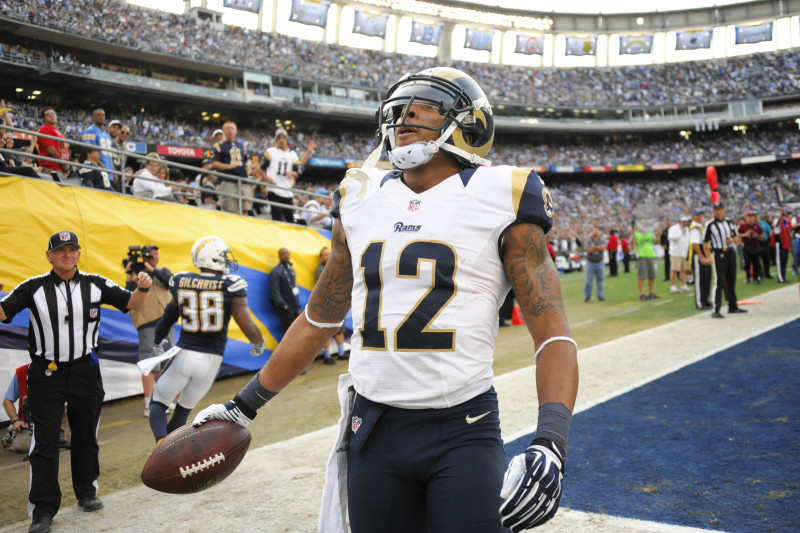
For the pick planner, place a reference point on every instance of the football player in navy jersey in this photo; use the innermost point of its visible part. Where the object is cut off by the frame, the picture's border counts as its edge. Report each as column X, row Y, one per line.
column 205, row 302
column 425, row 255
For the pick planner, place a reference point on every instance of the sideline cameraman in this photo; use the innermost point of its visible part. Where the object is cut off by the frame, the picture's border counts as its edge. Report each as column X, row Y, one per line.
column 146, row 317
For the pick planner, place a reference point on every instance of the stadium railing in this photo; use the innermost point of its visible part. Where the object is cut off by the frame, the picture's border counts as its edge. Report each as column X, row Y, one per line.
column 124, row 175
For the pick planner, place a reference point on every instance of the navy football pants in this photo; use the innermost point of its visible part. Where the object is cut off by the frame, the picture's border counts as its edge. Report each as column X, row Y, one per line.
column 427, row 470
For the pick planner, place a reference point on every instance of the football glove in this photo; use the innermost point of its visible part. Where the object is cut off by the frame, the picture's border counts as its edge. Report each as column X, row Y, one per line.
column 225, row 411
column 532, row 486
column 160, row 347
column 256, row 349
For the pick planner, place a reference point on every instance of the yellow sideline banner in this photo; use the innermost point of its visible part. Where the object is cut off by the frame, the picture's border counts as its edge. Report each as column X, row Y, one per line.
column 107, row 224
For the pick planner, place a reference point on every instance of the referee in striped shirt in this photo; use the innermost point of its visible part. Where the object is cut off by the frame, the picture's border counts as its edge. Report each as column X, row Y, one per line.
column 720, row 233
column 64, row 309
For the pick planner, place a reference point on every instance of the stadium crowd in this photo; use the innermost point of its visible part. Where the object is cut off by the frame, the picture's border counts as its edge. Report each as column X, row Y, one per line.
column 719, row 80
column 356, row 145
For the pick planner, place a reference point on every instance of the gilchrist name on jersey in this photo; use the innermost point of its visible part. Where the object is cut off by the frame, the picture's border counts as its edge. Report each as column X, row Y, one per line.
column 204, row 303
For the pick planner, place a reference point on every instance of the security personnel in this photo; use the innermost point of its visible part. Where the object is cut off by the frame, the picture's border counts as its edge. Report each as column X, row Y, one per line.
column 720, row 233
column 62, row 341
column 700, row 257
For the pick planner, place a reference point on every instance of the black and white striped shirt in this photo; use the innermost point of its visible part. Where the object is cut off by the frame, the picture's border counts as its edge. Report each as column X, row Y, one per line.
column 64, row 316
column 717, row 234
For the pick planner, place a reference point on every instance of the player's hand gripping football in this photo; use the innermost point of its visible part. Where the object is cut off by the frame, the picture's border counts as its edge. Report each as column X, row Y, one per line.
column 532, row 486
column 160, row 347
column 225, row 411
column 256, row 349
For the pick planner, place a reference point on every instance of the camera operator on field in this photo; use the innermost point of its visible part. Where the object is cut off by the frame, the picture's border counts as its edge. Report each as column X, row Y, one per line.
column 146, row 317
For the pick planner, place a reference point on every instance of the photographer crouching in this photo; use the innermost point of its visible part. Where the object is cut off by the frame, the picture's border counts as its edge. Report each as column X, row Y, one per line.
column 145, row 258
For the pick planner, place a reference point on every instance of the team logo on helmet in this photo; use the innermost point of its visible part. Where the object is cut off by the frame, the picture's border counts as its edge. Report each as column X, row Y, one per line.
column 548, row 202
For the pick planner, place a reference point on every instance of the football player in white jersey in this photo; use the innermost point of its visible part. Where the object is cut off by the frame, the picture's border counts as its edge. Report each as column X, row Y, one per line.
column 426, row 254
column 205, row 301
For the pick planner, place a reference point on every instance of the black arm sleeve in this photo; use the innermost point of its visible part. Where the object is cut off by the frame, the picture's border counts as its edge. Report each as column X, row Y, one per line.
column 169, row 317
column 163, row 275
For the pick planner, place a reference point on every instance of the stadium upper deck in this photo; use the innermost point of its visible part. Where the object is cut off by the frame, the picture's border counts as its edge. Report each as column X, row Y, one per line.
column 185, row 49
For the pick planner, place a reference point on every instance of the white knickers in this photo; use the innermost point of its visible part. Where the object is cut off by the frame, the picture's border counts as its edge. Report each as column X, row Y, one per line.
column 191, row 374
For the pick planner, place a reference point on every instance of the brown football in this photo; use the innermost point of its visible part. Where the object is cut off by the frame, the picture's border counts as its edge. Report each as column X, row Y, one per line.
column 191, row 459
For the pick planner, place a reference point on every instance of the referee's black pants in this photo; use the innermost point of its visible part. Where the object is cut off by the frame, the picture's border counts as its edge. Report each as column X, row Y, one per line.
column 725, row 264
column 702, row 282
column 81, row 386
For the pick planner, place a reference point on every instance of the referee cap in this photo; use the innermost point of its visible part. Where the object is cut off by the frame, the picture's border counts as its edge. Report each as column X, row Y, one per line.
column 62, row 238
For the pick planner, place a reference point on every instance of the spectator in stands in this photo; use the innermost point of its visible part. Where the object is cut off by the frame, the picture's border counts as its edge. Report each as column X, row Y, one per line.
column 230, row 157
column 53, row 148
column 318, row 210
column 96, row 135
column 120, row 135
column 208, row 193
column 97, row 176
column 281, row 168
column 147, row 184
column 8, row 144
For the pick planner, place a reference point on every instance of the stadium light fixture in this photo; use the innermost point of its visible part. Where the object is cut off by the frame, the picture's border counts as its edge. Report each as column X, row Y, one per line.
column 37, row 93
column 639, row 21
column 20, row 89
column 215, row 115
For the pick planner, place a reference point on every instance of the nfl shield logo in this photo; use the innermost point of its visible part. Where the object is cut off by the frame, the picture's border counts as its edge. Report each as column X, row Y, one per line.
column 356, row 424
column 93, row 313
column 63, row 235
column 413, row 205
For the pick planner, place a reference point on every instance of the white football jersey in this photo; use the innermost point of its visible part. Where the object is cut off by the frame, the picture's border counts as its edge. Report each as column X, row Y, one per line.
column 276, row 164
column 428, row 279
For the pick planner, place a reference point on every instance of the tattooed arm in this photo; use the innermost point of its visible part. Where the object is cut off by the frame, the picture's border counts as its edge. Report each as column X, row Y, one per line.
column 329, row 303
column 534, row 277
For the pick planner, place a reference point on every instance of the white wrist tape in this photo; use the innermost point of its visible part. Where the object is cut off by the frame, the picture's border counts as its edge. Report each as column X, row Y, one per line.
column 553, row 339
column 322, row 325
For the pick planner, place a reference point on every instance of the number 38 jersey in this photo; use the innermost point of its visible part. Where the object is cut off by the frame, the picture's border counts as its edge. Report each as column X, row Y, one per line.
column 204, row 305
column 428, row 279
